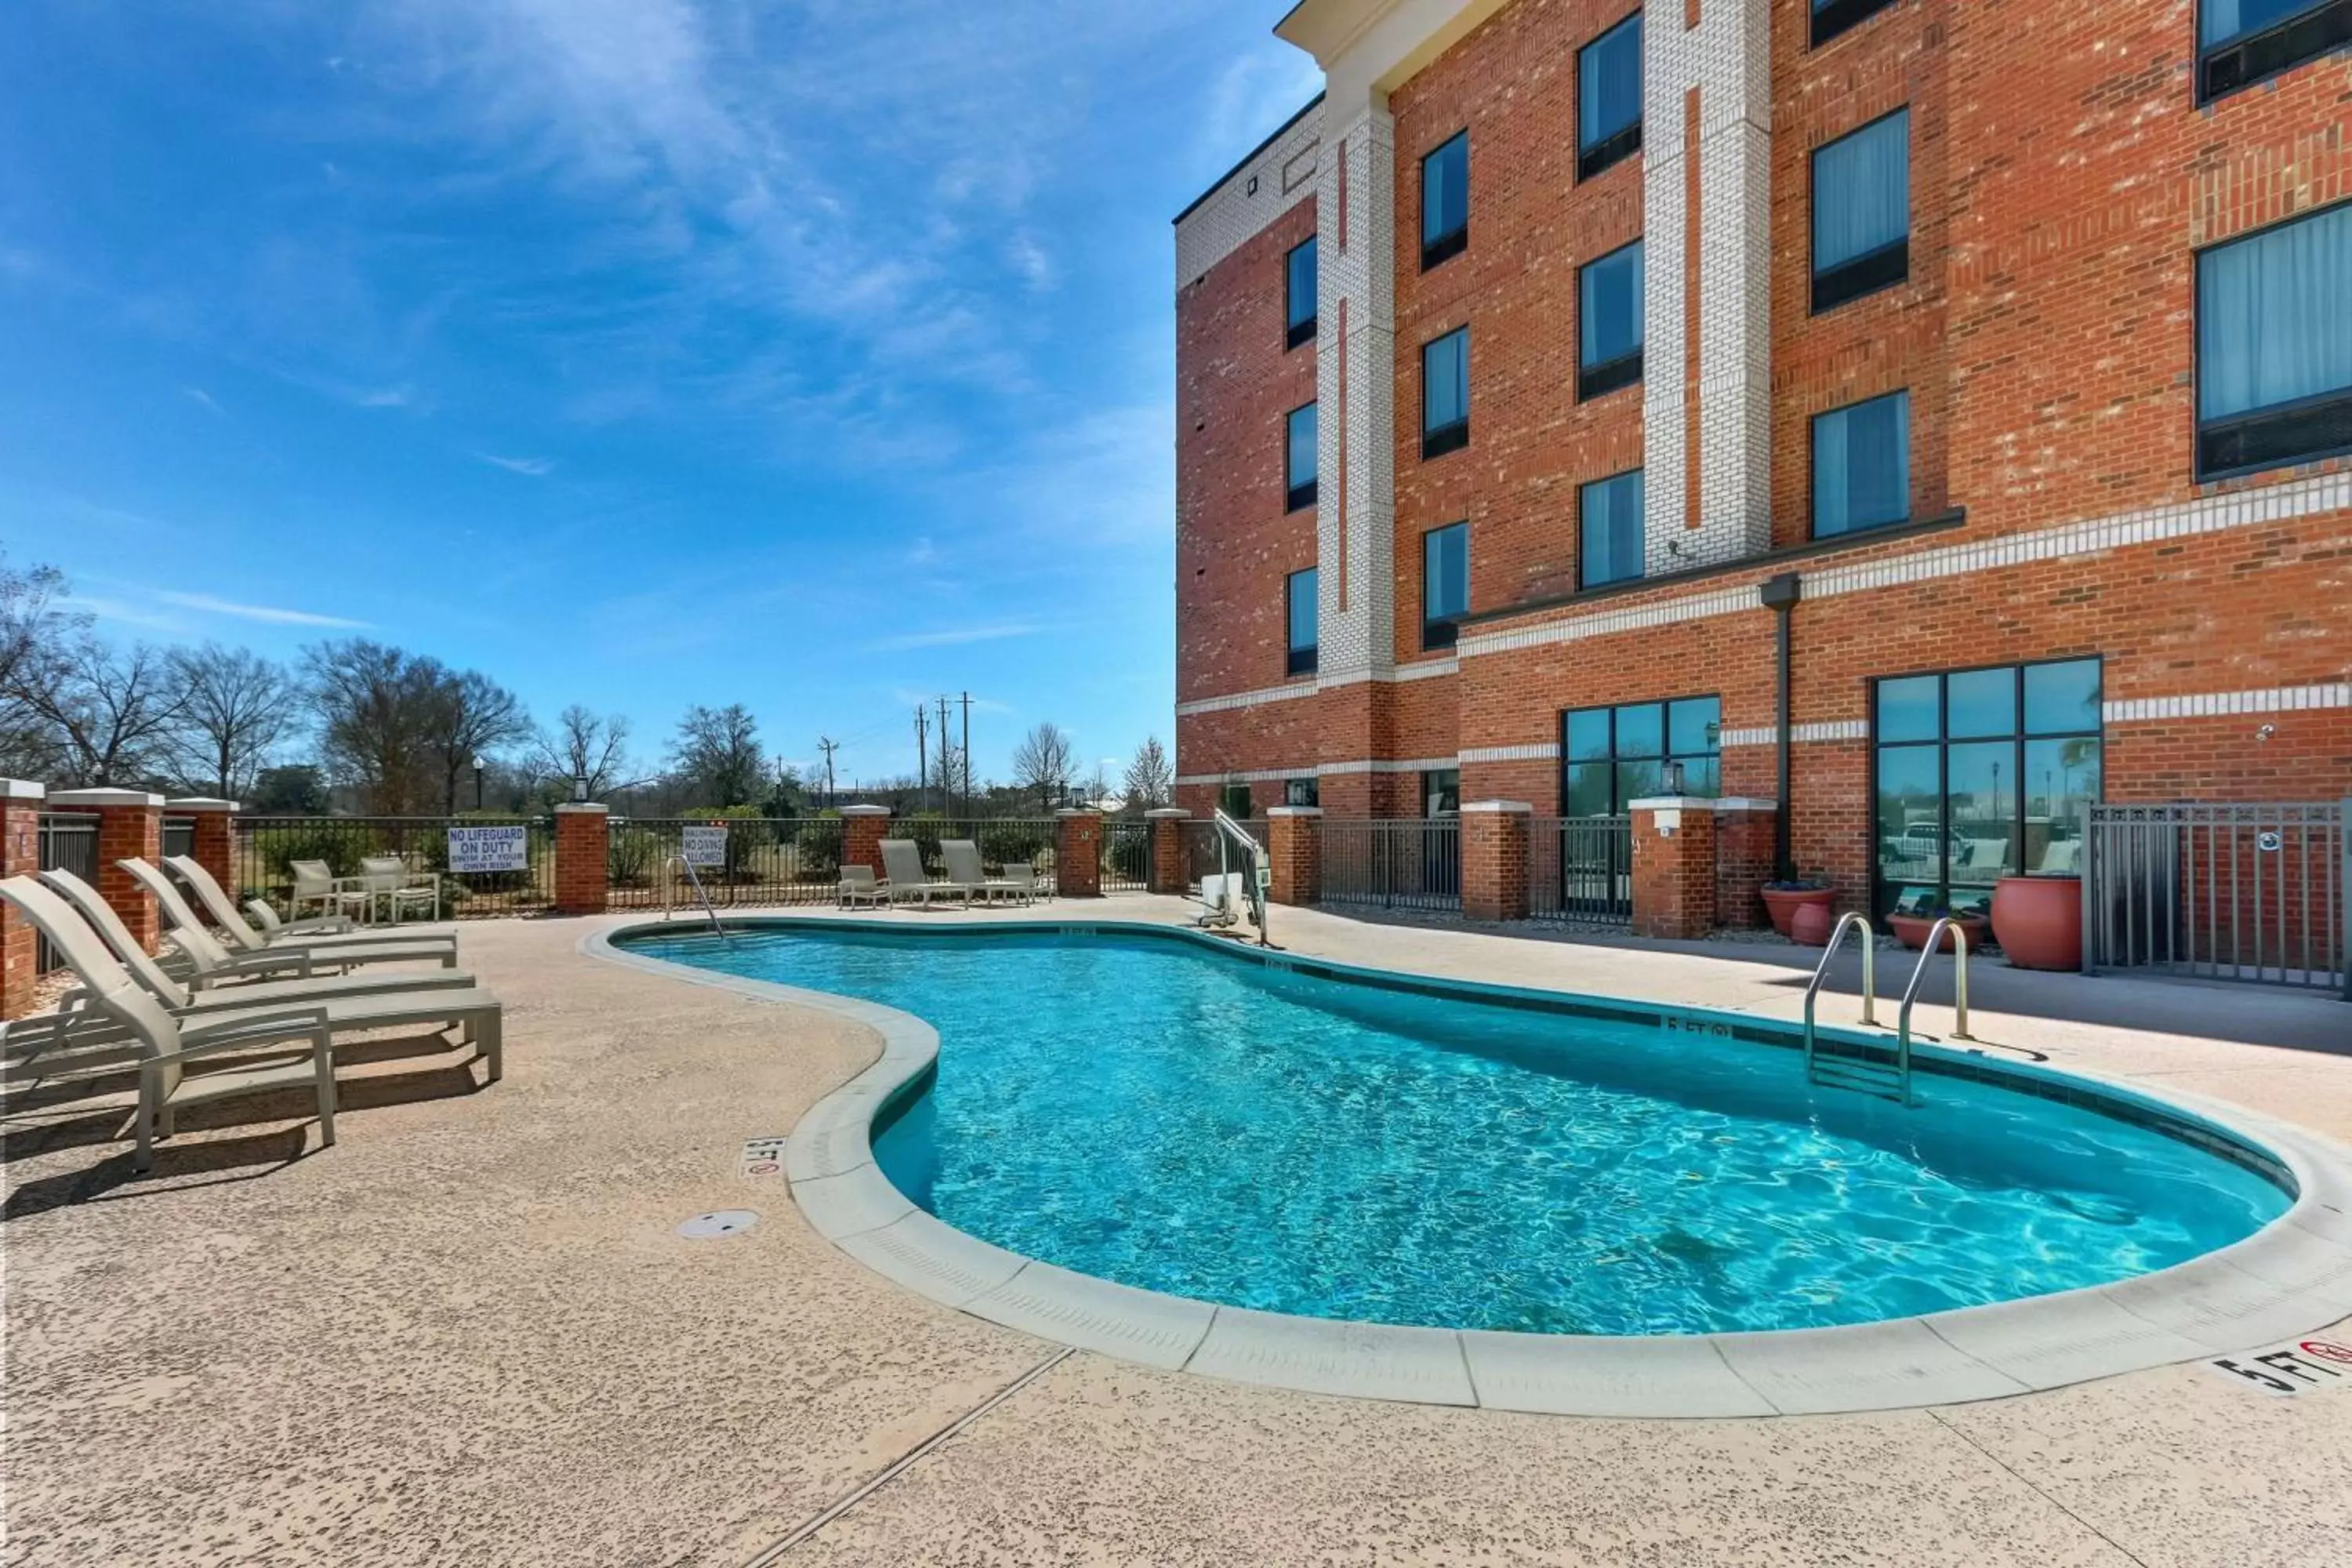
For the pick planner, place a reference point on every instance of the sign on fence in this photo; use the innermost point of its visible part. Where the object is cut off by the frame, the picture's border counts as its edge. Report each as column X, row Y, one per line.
column 703, row 845
column 490, row 849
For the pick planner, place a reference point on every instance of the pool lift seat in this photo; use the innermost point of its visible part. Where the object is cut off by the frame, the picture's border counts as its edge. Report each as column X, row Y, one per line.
column 1221, row 896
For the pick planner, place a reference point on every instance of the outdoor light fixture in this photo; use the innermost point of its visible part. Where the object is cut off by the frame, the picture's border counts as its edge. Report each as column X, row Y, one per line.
column 580, row 788
column 477, row 781
column 1674, row 778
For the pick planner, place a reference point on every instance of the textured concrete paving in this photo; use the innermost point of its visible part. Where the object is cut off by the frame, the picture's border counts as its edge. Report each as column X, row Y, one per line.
column 469, row 1333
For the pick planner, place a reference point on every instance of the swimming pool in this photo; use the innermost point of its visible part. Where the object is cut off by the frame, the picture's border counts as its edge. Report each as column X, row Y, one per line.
column 1140, row 1107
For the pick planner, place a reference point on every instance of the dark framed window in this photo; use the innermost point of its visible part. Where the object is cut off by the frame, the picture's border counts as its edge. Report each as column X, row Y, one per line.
column 1302, row 792
column 1608, row 97
column 1608, row 322
column 1862, row 466
column 1446, row 202
column 1862, row 211
column 1609, row 523
column 1445, row 394
column 1299, row 459
column 1612, row 756
column 1979, row 774
column 1444, row 584
column 2274, row 345
column 2242, row 42
column 1832, row 18
column 1233, row 800
column 1299, row 295
column 1441, row 792
column 1298, row 613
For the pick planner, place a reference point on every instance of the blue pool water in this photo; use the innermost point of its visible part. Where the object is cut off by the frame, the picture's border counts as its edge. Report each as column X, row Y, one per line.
column 1189, row 1121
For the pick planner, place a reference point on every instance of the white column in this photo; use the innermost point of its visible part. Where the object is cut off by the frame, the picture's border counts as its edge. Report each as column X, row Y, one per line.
column 1356, row 392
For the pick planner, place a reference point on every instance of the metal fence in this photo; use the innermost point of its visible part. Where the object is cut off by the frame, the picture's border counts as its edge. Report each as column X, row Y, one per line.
column 1404, row 863
column 1002, row 840
column 766, row 860
column 179, row 836
column 1199, row 838
column 66, row 841
column 1580, row 870
column 1125, row 855
column 266, row 847
column 2252, row 892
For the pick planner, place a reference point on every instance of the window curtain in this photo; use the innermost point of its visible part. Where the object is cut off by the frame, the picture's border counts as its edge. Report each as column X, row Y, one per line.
column 2221, row 20
column 2275, row 316
column 1862, row 466
column 1446, row 573
column 1862, row 192
column 1612, row 511
column 1303, row 427
column 1445, row 381
column 1611, row 307
column 1609, row 84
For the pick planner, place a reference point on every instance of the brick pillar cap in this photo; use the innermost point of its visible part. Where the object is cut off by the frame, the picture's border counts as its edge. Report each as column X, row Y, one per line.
column 1517, row 805
column 202, row 803
column 1673, row 803
column 1079, row 811
column 1743, row 803
column 1294, row 811
column 1164, row 812
column 22, row 789
column 106, row 797
column 588, row 807
column 865, row 811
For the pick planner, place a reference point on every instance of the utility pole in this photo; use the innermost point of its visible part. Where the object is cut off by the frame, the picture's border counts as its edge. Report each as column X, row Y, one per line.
column 946, row 772
column 967, row 751
column 828, row 746
column 922, row 753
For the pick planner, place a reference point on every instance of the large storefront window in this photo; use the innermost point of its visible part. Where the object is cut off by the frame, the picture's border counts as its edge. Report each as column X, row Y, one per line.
column 1612, row 756
column 1981, row 773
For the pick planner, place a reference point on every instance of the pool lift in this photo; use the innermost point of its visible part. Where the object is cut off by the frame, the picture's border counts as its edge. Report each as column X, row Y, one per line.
column 1868, row 1075
column 1222, row 894
column 670, row 886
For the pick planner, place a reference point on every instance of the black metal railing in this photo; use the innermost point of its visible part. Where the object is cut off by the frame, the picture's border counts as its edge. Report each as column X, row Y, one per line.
column 1402, row 863
column 268, row 846
column 751, row 861
column 66, row 841
column 1199, row 839
column 1002, row 840
column 179, row 836
column 1580, row 870
column 2252, row 892
column 1125, row 855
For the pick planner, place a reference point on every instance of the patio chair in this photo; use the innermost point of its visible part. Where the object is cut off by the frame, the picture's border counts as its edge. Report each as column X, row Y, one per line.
column 388, row 882
column 963, row 858
column 1020, row 879
column 902, row 863
column 471, row 1010
column 167, row 1045
column 858, row 886
column 315, row 882
column 306, row 957
column 245, row 936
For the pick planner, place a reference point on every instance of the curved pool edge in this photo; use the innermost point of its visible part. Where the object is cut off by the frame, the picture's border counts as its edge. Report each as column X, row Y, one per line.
column 2291, row 1278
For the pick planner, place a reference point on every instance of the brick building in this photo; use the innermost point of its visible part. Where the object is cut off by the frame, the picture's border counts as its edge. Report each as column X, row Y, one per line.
column 1536, row 379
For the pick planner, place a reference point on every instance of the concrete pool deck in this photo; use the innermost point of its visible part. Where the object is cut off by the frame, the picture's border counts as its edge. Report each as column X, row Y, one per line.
column 471, row 1332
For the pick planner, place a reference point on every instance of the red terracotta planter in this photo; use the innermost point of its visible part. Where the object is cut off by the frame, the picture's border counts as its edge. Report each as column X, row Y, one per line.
column 1783, row 905
column 1811, row 924
column 1912, row 930
column 2038, row 921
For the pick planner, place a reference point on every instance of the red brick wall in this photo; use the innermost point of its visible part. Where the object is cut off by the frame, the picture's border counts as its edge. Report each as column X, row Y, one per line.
column 1077, row 855
column 20, row 823
column 1294, row 859
column 1673, row 878
column 127, row 832
column 583, row 862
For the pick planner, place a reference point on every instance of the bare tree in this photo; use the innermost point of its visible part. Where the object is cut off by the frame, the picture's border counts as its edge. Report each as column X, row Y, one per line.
column 236, row 708
column 471, row 716
column 377, row 723
column 36, row 635
column 583, row 745
column 1043, row 762
column 1150, row 778
column 718, row 750
column 111, row 715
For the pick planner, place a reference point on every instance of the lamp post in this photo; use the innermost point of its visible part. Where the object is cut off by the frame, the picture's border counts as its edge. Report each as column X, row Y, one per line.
column 477, row 781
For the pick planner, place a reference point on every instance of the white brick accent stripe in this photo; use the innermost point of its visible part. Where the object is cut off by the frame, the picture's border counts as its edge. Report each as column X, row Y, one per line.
column 2150, row 525
column 1325, row 770
column 1387, row 765
column 2220, row 704
column 1424, row 670
column 1824, row 729
column 1542, row 752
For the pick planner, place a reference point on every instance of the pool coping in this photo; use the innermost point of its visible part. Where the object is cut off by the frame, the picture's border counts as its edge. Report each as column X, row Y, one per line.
column 2292, row 1277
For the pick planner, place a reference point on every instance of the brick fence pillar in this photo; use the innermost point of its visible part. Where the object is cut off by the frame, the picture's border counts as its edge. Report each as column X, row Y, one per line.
column 583, row 857
column 1494, row 859
column 130, row 826
column 20, row 855
column 1293, row 850
column 862, row 829
column 1673, row 867
column 215, row 836
column 1167, row 872
column 1743, row 860
column 1077, row 855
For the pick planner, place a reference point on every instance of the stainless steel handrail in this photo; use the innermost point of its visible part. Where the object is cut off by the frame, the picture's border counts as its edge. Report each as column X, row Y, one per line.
column 1848, row 922
column 1911, row 993
column 1228, row 829
column 683, row 864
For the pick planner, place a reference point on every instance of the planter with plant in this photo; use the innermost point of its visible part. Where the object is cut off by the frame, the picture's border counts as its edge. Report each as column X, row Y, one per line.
column 1784, row 899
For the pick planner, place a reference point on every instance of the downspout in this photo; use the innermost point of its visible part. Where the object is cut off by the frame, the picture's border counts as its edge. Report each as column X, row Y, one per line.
column 1781, row 595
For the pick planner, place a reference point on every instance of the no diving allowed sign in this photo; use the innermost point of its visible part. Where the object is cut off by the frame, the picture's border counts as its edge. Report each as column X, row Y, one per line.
column 2302, row 1367
column 764, row 1157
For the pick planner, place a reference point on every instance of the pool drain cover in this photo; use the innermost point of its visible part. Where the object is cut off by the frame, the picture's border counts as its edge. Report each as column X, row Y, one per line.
column 718, row 1222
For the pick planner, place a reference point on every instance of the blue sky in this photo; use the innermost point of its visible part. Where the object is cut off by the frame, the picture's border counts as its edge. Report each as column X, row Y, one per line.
column 814, row 354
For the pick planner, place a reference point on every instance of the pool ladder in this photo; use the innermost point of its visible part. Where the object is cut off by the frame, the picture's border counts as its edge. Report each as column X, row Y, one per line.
column 669, row 887
column 1868, row 1074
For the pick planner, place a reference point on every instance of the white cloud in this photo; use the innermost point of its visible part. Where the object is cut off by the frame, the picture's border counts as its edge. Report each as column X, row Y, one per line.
column 204, row 400
column 533, row 468
column 270, row 614
column 129, row 614
column 382, row 396
column 954, row 636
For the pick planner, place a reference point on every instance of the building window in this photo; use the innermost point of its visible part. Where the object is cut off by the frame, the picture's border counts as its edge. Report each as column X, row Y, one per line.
column 1233, row 800
column 1608, row 322
column 1862, row 466
column 1613, row 756
column 2242, row 42
column 1446, row 202
column 1299, row 459
column 1981, row 773
column 1608, row 97
column 1832, row 18
column 1445, row 394
column 1862, row 211
column 1299, row 295
column 1608, row 516
column 2274, row 346
column 1302, row 792
column 1441, row 792
column 1444, row 584
column 1300, row 612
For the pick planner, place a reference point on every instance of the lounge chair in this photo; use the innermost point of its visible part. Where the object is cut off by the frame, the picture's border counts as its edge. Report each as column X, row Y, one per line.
column 858, row 886
column 902, row 862
column 471, row 1010
column 167, row 1045
column 388, row 882
column 315, row 882
column 246, row 937
column 963, row 863
column 1021, row 879
column 305, row 957
column 274, row 926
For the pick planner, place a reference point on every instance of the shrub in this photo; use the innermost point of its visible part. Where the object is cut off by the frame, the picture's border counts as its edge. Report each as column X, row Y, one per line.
column 630, row 855
column 818, row 846
column 1012, row 842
